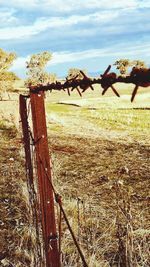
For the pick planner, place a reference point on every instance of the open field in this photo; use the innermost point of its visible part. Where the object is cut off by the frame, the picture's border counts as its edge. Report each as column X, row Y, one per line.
column 96, row 143
column 101, row 166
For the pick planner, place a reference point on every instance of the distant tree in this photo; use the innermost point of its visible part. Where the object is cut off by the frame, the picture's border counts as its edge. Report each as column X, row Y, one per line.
column 7, row 78
column 6, row 60
column 123, row 65
column 36, row 69
column 139, row 64
column 74, row 72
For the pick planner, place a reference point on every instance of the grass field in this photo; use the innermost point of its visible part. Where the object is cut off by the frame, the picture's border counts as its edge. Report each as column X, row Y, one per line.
column 101, row 166
column 100, row 148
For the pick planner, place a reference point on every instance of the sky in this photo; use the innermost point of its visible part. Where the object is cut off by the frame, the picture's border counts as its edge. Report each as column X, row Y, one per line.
column 85, row 34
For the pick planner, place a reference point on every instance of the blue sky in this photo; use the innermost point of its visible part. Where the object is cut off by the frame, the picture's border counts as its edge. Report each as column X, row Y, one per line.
column 87, row 34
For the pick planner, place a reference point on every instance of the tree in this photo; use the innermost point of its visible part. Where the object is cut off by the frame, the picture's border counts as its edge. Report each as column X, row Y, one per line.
column 139, row 64
column 36, row 69
column 75, row 73
column 7, row 78
column 124, row 64
column 6, row 60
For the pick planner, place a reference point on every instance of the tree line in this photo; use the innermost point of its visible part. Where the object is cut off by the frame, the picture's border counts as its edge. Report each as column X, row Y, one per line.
column 37, row 74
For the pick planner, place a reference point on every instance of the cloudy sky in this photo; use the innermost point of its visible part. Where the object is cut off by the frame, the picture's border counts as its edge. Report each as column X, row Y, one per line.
column 87, row 34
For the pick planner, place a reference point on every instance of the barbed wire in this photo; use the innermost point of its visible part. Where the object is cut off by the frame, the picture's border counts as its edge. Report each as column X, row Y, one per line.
column 138, row 77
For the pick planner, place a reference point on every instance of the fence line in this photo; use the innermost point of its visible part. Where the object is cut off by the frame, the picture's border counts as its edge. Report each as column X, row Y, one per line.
column 138, row 77
column 46, row 191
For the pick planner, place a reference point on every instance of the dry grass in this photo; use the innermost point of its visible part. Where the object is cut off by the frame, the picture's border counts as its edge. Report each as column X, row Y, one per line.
column 17, row 238
column 87, row 169
column 93, row 151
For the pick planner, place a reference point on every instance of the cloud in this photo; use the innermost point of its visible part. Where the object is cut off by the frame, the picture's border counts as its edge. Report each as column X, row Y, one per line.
column 117, row 51
column 123, row 50
column 70, row 5
column 99, row 22
column 20, row 63
column 26, row 4
column 82, row 31
column 74, row 5
column 8, row 17
column 143, row 4
column 43, row 24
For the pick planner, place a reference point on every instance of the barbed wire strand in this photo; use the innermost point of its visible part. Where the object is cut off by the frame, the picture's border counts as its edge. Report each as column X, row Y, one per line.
column 138, row 77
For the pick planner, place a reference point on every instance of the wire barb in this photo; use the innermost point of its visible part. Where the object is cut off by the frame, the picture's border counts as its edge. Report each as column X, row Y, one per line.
column 139, row 77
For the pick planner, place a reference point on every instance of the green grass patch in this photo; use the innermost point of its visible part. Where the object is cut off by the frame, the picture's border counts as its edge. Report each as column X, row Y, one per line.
column 59, row 108
column 120, row 120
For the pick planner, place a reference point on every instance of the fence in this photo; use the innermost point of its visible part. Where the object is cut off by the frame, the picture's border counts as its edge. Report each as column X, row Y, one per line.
column 138, row 77
column 43, row 194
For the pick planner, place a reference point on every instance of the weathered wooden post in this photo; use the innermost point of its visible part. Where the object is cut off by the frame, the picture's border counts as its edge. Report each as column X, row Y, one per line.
column 44, row 173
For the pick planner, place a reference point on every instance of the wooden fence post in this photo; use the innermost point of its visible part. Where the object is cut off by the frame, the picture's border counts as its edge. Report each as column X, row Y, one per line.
column 45, row 188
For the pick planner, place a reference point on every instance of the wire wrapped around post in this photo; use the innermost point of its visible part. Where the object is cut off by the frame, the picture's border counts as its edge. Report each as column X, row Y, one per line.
column 38, row 261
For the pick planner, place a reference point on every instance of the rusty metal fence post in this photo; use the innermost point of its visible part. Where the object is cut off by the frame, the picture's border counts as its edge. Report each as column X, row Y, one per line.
column 38, row 260
column 45, row 189
column 43, row 171
column 26, row 137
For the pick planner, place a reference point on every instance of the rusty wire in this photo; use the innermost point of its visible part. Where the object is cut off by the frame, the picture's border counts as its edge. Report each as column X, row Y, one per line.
column 138, row 77
column 58, row 200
